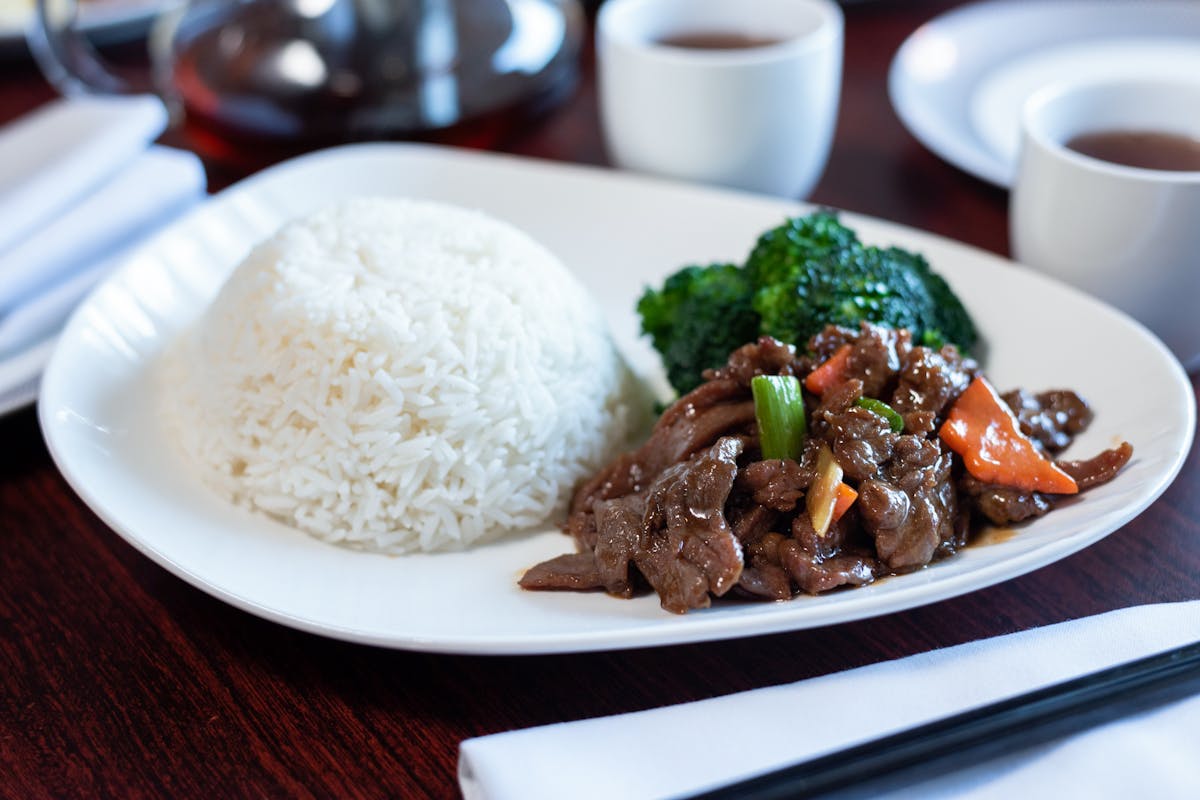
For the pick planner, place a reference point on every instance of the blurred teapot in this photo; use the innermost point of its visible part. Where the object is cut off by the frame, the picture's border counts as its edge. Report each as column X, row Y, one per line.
column 330, row 70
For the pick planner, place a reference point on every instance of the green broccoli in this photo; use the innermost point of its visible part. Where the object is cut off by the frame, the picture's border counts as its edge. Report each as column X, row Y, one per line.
column 697, row 319
column 887, row 286
column 780, row 251
column 801, row 276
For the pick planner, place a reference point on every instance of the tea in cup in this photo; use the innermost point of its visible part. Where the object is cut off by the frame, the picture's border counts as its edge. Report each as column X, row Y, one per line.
column 1107, row 198
column 741, row 94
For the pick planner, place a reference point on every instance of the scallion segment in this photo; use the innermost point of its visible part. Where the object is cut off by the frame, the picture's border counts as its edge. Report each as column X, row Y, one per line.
column 779, row 408
column 884, row 410
column 822, row 496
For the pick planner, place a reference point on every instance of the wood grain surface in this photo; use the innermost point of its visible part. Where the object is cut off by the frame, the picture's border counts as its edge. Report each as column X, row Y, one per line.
column 119, row 680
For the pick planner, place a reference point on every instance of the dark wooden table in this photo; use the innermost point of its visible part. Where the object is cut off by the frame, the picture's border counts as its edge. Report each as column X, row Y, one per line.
column 118, row 679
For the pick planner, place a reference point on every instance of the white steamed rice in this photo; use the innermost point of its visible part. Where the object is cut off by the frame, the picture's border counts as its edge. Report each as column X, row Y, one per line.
column 400, row 375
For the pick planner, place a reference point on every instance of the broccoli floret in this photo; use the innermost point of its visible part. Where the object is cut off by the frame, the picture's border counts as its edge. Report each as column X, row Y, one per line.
column 697, row 319
column 781, row 251
column 886, row 286
column 801, row 276
column 948, row 322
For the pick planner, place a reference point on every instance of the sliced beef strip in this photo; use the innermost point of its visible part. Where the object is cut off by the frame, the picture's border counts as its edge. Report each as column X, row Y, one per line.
column 763, row 576
column 679, row 432
column 765, row 580
column 750, row 521
column 688, row 551
column 1051, row 419
column 777, row 484
column 1100, row 468
column 837, row 400
column 1003, row 505
column 861, row 441
column 882, row 505
column 572, row 571
column 876, row 353
column 828, row 545
column 581, row 526
column 766, row 356
column 875, row 357
column 675, row 534
column 930, row 380
column 617, row 535
column 907, row 538
column 620, row 531
column 819, row 563
column 829, row 340
column 814, row 575
column 766, row 547
column 701, row 431
column 919, row 421
column 693, row 423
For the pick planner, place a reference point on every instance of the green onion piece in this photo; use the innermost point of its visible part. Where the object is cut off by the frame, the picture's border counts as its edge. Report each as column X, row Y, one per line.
column 933, row 339
column 884, row 410
column 822, row 494
column 779, row 408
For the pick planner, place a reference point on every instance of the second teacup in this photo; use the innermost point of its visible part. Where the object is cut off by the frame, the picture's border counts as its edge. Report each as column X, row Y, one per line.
column 1126, row 234
column 741, row 94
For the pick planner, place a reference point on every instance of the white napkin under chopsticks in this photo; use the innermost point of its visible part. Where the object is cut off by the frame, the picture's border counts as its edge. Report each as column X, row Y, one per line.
column 83, row 185
column 687, row 748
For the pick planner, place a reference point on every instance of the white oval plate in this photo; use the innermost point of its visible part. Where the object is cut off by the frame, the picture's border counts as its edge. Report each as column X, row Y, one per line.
column 617, row 232
column 958, row 82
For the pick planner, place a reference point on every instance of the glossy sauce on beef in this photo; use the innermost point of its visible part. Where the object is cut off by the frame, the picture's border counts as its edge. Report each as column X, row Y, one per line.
column 697, row 513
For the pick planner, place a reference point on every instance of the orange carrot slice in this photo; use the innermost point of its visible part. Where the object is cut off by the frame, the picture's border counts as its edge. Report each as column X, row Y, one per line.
column 845, row 498
column 984, row 431
column 831, row 372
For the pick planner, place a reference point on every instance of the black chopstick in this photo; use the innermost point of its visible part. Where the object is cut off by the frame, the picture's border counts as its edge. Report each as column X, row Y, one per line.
column 990, row 731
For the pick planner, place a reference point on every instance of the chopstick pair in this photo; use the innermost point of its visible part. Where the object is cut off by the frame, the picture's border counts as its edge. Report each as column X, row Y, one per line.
column 988, row 732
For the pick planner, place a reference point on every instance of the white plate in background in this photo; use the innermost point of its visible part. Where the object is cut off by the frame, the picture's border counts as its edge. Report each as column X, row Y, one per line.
column 958, row 82
column 107, row 21
column 617, row 232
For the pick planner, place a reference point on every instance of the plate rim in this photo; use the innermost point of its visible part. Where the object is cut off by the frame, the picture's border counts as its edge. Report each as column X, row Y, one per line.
column 971, row 154
column 556, row 642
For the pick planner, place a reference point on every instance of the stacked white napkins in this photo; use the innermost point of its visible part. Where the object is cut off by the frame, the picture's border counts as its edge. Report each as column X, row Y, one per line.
column 81, row 184
column 687, row 748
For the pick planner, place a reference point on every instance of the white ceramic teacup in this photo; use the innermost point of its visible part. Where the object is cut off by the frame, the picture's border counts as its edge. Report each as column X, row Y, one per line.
column 1127, row 235
column 757, row 118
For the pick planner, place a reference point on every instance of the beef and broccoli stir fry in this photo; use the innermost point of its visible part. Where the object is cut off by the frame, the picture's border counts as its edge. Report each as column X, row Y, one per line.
column 897, row 449
column 853, row 437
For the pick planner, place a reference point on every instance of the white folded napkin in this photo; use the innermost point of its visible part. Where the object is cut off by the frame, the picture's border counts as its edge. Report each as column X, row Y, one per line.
column 65, row 149
column 84, row 186
column 147, row 193
column 688, row 748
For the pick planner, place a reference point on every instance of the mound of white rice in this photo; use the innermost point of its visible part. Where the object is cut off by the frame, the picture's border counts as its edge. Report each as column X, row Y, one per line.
column 399, row 375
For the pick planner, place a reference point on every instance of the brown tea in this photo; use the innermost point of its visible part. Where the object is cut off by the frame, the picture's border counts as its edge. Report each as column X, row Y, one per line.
column 1143, row 149
column 716, row 40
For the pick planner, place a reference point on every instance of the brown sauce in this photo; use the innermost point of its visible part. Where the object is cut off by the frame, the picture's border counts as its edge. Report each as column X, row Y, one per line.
column 1142, row 149
column 716, row 40
column 993, row 535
